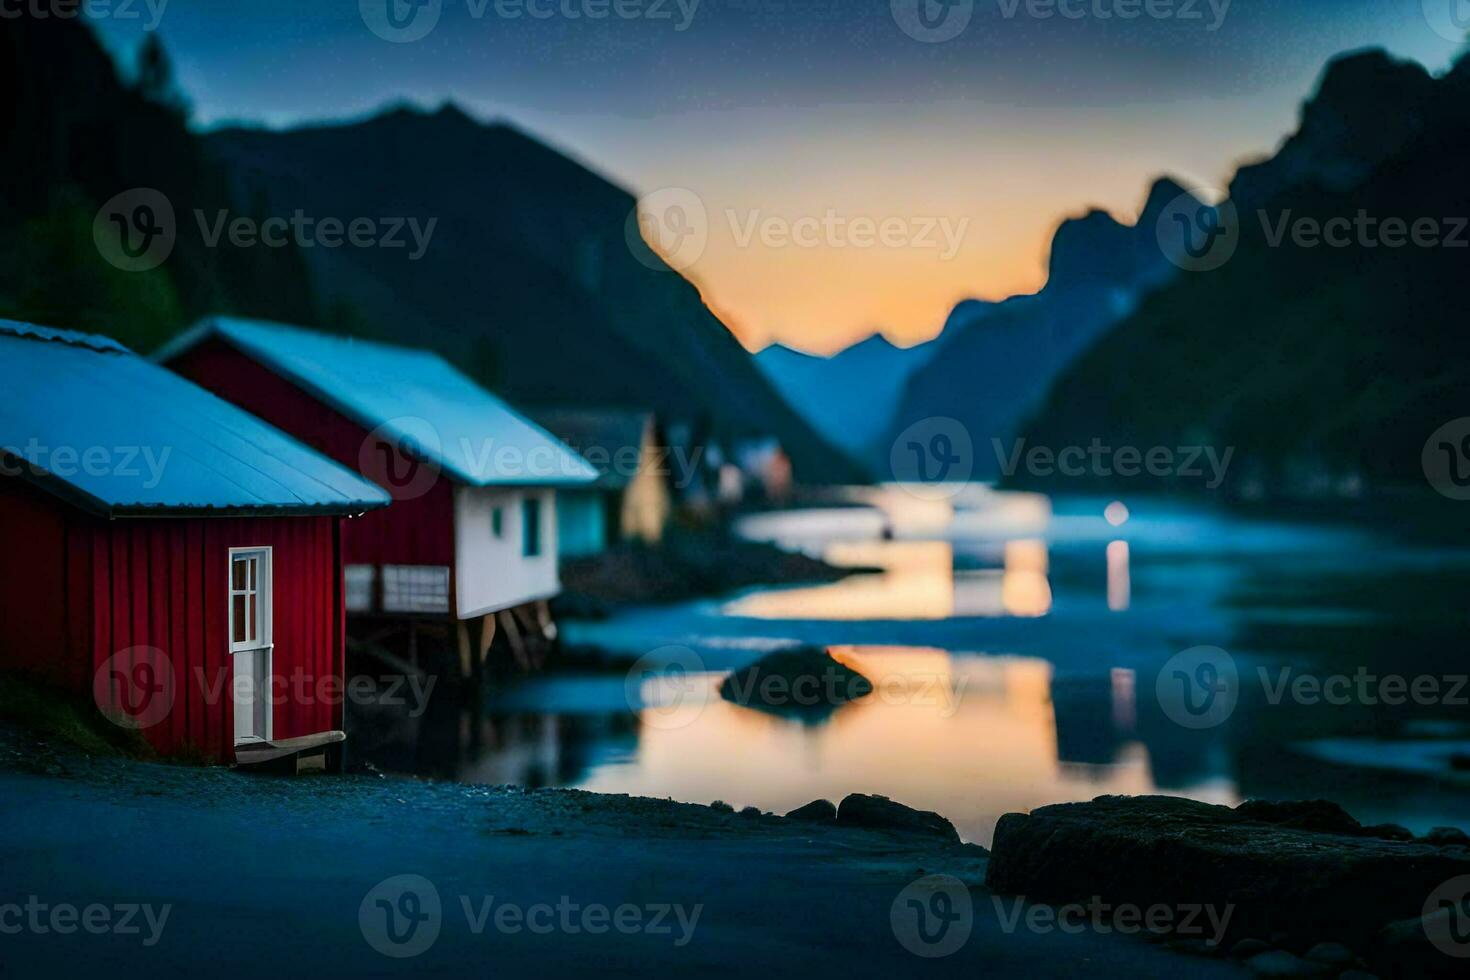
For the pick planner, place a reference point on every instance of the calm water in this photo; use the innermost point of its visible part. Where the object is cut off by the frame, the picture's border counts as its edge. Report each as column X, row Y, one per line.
column 1016, row 643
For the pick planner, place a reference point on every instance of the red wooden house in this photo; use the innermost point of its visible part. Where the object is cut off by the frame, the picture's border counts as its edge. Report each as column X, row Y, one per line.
column 169, row 554
column 470, row 539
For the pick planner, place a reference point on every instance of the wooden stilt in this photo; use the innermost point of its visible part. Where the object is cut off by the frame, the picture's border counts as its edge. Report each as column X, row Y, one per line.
column 543, row 616
column 487, row 635
column 513, row 634
column 535, row 635
column 462, row 637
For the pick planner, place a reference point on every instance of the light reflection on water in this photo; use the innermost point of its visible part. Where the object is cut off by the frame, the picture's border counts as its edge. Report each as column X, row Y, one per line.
column 1014, row 664
column 968, row 737
column 917, row 581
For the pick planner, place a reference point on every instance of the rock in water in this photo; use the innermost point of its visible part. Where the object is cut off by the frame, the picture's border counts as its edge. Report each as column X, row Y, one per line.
column 817, row 811
column 1317, row 886
column 806, row 683
column 881, row 813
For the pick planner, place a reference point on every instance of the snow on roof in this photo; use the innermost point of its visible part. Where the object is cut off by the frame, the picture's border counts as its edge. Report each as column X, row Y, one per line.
column 412, row 396
column 117, row 434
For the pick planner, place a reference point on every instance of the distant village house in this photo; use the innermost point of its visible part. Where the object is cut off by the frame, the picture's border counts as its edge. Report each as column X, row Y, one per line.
column 633, row 496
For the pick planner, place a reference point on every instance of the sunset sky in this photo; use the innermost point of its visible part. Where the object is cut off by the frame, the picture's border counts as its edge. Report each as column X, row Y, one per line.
column 824, row 110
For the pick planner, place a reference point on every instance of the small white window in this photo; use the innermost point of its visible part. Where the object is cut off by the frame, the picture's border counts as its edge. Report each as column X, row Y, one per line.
column 416, row 588
column 250, row 642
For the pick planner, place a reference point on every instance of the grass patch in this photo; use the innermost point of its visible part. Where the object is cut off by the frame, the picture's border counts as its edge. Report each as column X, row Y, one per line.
column 64, row 719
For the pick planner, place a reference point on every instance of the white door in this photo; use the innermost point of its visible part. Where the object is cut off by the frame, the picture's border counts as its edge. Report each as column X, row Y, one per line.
column 250, row 642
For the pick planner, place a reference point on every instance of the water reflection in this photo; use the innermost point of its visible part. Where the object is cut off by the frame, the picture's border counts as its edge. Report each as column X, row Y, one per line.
column 918, row 581
column 1025, row 590
column 1120, row 583
column 968, row 736
column 1015, row 665
column 971, row 736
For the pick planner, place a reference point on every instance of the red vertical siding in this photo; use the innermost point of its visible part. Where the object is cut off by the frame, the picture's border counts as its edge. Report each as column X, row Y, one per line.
column 34, row 600
column 413, row 530
column 81, row 590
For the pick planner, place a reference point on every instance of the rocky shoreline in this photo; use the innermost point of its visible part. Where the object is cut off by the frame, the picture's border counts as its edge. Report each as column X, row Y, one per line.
column 1309, row 891
column 1286, row 889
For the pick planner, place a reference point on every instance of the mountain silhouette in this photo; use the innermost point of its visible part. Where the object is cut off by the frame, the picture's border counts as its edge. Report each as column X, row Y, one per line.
column 851, row 396
column 1327, row 368
column 993, row 363
column 528, row 279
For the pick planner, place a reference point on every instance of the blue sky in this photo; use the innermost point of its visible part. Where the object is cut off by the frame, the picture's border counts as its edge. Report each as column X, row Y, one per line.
column 802, row 107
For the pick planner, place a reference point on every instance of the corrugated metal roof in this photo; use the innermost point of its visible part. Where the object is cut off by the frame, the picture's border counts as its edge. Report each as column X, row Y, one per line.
column 412, row 396
column 605, row 437
column 123, row 436
column 91, row 341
